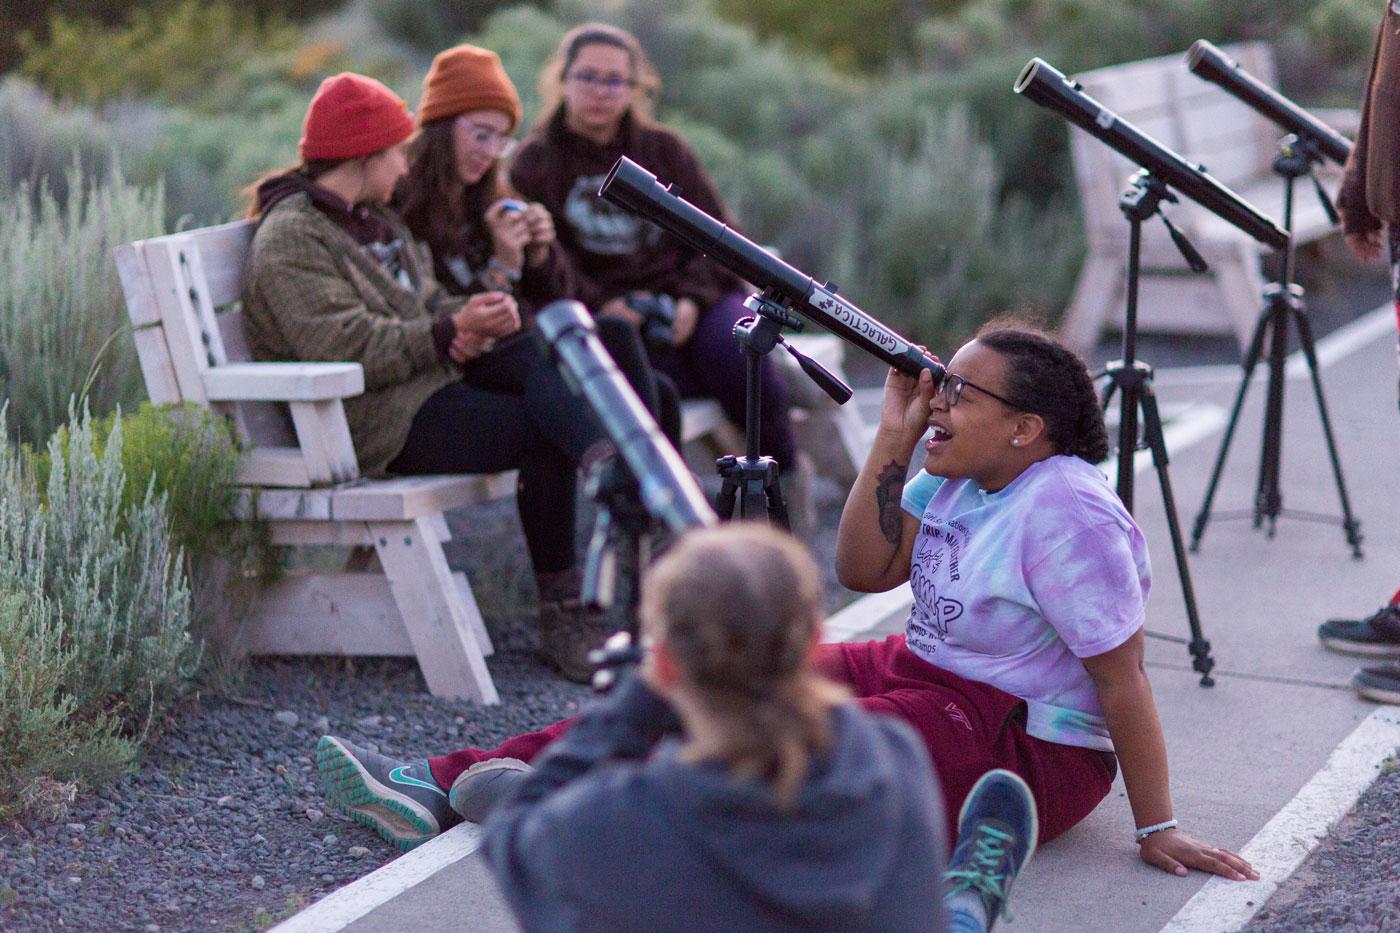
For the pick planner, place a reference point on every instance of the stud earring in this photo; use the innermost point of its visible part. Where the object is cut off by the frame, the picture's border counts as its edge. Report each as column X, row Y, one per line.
column 1015, row 442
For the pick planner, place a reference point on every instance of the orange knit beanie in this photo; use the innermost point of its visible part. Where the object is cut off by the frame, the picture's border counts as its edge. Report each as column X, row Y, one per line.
column 353, row 116
column 465, row 78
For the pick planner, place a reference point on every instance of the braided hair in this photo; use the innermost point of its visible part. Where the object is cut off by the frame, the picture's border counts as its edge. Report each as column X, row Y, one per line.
column 739, row 606
column 1048, row 379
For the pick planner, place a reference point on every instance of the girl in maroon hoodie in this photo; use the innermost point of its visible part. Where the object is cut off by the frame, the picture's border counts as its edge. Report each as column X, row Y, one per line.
column 595, row 89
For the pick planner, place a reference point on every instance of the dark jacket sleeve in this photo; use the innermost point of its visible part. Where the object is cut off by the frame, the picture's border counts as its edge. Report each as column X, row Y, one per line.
column 549, row 281
column 1357, row 216
column 530, row 837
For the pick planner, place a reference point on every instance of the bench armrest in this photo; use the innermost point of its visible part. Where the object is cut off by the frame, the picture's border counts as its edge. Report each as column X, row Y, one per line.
column 283, row 382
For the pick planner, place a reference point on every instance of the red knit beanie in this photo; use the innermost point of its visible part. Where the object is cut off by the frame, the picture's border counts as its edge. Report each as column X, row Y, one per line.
column 352, row 116
column 466, row 78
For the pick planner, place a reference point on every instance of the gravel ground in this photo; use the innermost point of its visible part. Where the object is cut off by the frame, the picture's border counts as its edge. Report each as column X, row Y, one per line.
column 1352, row 882
column 223, row 826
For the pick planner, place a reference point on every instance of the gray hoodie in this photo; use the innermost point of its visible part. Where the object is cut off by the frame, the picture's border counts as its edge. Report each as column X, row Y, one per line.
column 613, row 832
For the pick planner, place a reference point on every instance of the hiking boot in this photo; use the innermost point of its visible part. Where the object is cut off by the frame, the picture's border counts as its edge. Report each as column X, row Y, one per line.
column 1376, row 636
column 1381, row 684
column 568, row 632
column 397, row 799
column 478, row 789
column 996, row 837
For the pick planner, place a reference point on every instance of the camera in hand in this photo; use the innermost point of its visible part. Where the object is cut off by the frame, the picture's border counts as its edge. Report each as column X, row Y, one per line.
column 658, row 313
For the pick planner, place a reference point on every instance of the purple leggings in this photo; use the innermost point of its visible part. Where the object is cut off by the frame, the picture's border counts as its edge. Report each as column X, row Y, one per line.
column 711, row 365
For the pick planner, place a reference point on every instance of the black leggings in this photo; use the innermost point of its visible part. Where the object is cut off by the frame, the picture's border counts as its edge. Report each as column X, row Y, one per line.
column 513, row 410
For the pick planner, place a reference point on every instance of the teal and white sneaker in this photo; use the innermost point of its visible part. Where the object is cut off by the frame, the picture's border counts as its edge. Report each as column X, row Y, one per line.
column 997, row 832
column 397, row 799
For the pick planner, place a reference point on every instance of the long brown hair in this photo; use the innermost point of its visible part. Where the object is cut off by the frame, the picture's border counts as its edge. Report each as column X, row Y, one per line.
column 551, row 80
column 451, row 225
column 739, row 606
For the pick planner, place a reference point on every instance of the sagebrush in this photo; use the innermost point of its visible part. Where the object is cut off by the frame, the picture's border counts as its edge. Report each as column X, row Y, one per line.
column 63, row 322
column 95, row 611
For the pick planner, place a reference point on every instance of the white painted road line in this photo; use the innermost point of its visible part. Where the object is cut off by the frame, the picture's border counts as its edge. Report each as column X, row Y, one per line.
column 1287, row 839
column 1340, row 343
column 344, row 906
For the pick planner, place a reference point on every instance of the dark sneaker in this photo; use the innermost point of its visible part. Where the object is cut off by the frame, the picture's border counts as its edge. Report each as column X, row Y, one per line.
column 1377, row 636
column 568, row 632
column 478, row 789
column 1381, row 684
column 996, row 836
column 397, row 799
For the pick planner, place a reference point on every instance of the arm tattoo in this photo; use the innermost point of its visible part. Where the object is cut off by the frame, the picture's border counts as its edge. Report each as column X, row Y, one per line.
column 888, row 490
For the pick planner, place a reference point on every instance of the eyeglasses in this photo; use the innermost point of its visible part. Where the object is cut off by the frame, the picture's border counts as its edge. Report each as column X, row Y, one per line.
column 952, row 389
column 485, row 139
column 609, row 84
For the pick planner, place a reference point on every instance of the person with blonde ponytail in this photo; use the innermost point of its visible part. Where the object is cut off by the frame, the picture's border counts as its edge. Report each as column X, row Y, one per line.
column 727, row 785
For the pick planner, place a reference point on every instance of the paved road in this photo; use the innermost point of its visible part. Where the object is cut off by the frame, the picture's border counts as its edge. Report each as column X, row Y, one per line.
column 1240, row 750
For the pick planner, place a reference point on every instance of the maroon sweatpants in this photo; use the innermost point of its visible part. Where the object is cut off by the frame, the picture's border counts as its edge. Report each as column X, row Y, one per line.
column 969, row 728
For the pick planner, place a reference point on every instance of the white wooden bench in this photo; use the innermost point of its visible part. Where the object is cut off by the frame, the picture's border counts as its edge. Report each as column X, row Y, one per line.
column 300, row 473
column 1207, row 125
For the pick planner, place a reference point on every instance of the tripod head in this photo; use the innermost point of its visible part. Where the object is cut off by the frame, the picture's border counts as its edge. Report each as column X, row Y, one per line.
column 1143, row 198
column 761, row 333
column 1298, row 157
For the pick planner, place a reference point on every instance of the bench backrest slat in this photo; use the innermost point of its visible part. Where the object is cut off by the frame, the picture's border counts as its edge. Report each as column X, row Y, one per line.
column 182, row 294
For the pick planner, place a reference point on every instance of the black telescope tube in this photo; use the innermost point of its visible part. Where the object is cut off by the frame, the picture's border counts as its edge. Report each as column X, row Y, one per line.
column 1048, row 87
column 1206, row 61
column 668, row 490
column 630, row 186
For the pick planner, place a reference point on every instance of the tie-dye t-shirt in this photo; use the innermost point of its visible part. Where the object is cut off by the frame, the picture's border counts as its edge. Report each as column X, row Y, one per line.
column 1012, row 588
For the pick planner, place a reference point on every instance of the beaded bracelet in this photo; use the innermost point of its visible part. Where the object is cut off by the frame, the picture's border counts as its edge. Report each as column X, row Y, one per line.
column 1146, row 831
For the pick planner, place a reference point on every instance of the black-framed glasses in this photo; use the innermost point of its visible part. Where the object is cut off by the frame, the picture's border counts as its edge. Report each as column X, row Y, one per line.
column 611, row 84
column 952, row 389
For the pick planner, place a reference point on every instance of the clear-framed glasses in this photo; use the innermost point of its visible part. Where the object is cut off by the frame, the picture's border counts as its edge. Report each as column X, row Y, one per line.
column 609, row 84
column 953, row 386
column 485, row 139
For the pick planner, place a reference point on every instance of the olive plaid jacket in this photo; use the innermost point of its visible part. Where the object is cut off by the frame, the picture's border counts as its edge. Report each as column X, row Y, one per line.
column 311, row 294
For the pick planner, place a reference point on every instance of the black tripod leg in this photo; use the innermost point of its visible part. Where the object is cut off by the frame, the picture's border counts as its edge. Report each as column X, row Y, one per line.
column 1251, row 360
column 1268, row 498
column 1350, row 526
column 777, row 508
column 1201, row 661
column 725, row 499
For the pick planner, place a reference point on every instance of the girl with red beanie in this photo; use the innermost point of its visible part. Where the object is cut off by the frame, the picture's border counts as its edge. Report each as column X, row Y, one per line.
column 596, row 89
column 455, row 200
column 333, row 274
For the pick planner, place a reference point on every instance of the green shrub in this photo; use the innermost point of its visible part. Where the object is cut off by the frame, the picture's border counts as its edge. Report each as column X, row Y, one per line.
column 31, row 18
column 924, row 240
column 432, row 25
column 183, row 452
column 187, row 54
column 95, row 613
column 63, row 323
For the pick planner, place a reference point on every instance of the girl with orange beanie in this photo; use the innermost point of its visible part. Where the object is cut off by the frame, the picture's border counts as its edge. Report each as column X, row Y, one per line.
column 450, row 387
column 456, row 200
